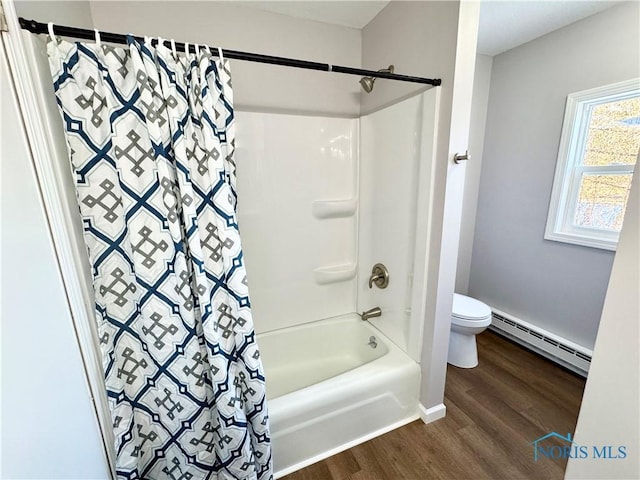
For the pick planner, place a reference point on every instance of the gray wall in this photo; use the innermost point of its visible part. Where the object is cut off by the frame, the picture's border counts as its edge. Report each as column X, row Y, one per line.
column 257, row 87
column 64, row 12
column 557, row 286
column 424, row 46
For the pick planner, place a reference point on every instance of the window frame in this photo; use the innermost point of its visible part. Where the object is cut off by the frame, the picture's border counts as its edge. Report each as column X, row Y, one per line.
column 569, row 170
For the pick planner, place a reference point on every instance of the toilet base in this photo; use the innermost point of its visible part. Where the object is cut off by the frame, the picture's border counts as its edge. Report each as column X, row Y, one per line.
column 463, row 351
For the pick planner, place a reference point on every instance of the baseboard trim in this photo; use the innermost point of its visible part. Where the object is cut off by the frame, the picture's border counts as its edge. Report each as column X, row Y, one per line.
column 559, row 350
column 346, row 446
column 428, row 415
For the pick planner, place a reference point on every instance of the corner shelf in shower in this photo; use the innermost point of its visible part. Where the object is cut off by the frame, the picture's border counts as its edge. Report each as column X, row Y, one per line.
column 334, row 208
column 334, row 273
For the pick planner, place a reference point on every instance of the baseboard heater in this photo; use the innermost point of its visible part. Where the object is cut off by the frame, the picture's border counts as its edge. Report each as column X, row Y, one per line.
column 557, row 349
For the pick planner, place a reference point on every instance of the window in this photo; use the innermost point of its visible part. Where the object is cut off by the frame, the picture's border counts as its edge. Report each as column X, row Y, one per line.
column 598, row 152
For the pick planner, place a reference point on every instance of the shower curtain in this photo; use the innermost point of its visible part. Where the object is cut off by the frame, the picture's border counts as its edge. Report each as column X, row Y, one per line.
column 151, row 140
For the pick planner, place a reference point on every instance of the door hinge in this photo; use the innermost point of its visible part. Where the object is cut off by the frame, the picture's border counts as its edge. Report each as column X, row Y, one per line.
column 3, row 20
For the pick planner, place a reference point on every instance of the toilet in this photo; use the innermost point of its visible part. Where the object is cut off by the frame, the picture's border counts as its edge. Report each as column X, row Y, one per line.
column 469, row 317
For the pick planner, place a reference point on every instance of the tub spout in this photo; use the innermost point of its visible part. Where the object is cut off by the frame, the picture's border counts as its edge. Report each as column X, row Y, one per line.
column 374, row 312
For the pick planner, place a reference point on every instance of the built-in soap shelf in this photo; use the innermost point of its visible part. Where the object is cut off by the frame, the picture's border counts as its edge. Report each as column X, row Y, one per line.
column 334, row 208
column 335, row 273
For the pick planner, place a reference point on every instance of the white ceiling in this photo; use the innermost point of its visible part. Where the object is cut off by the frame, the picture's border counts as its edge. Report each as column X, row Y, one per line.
column 504, row 24
column 355, row 14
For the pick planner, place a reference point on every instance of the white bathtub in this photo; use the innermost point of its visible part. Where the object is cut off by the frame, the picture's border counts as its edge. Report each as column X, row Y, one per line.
column 328, row 389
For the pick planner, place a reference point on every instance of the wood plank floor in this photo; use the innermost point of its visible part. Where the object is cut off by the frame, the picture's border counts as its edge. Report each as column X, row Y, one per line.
column 494, row 411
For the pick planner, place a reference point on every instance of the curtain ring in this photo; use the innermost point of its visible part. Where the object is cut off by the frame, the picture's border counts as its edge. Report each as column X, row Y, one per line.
column 186, row 49
column 160, row 42
column 98, row 40
column 220, row 55
column 197, row 47
column 51, row 34
column 173, row 48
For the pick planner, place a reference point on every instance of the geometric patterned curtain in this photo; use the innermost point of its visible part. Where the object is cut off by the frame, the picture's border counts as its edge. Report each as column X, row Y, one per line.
column 151, row 140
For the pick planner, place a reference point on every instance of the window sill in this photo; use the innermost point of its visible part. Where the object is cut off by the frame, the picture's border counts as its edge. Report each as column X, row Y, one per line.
column 581, row 240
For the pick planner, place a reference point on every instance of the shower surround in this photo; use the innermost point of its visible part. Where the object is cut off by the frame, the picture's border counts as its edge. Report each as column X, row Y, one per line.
column 436, row 26
column 321, row 200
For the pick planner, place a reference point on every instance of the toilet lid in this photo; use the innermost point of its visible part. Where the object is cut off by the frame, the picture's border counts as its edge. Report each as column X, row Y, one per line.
column 469, row 308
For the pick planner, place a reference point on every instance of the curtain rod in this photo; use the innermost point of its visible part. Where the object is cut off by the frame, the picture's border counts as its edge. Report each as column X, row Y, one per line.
column 74, row 32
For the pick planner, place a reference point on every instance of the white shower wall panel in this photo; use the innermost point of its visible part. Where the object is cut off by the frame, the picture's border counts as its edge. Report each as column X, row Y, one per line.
column 297, row 214
column 397, row 146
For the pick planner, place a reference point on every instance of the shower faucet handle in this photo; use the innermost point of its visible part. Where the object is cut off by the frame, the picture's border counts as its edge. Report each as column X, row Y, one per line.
column 379, row 276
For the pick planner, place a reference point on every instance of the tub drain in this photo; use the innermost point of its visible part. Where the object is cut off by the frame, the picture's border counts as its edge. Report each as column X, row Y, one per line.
column 373, row 343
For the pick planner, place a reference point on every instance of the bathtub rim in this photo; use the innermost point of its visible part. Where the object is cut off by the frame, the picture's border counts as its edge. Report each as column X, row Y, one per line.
column 351, row 319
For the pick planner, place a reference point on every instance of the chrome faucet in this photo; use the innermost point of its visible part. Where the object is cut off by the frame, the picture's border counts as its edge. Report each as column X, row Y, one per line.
column 374, row 312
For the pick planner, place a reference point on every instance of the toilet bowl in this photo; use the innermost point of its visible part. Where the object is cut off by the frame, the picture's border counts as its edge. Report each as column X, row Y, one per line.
column 469, row 317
